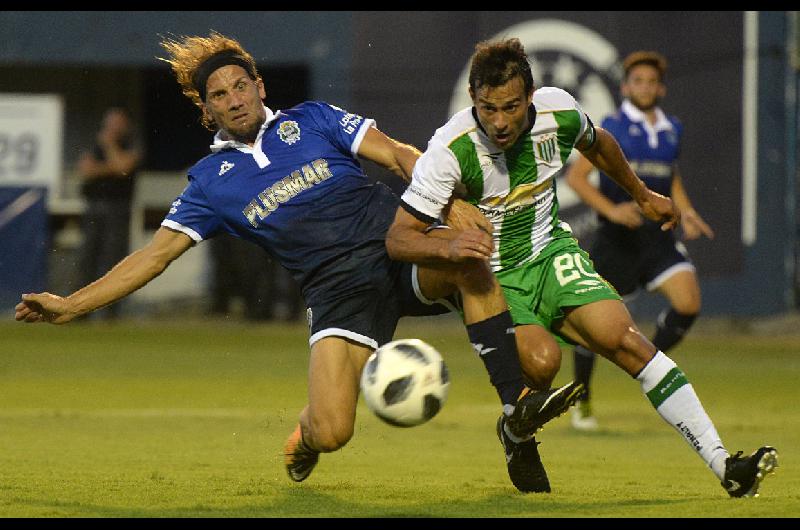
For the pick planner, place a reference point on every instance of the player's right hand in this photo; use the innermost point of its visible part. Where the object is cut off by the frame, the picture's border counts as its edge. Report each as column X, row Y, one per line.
column 470, row 244
column 43, row 307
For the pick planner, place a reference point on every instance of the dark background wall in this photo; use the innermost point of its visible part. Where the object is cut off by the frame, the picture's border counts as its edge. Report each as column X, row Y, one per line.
column 401, row 68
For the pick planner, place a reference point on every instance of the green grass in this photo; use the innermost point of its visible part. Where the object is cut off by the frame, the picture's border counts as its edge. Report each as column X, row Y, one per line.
column 189, row 420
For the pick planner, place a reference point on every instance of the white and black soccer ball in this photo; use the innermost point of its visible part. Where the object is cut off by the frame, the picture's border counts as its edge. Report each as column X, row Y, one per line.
column 405, row 382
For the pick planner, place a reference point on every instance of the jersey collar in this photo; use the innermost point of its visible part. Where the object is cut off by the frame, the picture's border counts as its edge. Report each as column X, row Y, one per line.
column 634, row 114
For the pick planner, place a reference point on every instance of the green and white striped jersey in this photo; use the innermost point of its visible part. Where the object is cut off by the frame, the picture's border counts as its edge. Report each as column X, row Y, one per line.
column 515, row 188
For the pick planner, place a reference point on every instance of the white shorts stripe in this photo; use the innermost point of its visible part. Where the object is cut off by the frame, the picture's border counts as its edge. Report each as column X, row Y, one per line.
column 338, row 332
column 659, row 280
column 421, row 297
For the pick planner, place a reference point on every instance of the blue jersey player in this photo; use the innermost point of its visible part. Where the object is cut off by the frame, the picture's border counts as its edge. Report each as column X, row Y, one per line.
column 630, row 251
column 290, row 181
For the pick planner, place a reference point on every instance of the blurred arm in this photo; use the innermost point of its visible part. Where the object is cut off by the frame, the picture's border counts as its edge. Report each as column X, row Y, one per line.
column 693, row 224
column 607, row 156
column 626, row 213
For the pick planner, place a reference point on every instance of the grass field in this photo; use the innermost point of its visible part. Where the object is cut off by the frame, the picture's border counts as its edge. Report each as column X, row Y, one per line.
column 189, row 419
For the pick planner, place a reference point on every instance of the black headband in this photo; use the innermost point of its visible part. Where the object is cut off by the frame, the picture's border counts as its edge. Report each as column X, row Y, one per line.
column 216, row 61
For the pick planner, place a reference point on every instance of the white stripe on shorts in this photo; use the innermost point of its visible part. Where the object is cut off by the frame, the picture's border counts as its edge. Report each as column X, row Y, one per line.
column 338, row 332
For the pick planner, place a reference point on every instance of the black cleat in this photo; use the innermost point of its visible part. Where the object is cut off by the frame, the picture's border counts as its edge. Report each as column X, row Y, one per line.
column 524, row 463
column 744, row 474
column 535, row 408
column 299, row 458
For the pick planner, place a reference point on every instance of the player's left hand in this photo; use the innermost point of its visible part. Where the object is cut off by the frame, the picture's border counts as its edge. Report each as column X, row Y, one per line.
column 657, row 207
column 694, row 226
column 461, row 215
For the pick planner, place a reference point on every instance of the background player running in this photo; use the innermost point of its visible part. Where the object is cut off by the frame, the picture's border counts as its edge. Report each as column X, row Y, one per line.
column 631, row 251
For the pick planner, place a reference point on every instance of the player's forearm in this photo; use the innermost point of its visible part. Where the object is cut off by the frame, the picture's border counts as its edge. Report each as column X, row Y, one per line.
column 407, row 244
column 607, row 156
column 126, row 277
column 405, row 157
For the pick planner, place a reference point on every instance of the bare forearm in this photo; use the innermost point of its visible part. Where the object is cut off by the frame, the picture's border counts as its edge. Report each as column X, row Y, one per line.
column 405, row 156
column 126, row 277
column 406, row 244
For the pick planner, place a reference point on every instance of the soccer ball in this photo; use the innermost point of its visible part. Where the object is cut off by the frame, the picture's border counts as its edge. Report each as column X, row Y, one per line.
column 405, row 382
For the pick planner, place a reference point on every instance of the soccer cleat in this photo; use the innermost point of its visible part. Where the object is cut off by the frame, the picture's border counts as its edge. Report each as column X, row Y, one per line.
column 744, row 474
column 523, row 461
column 535, row 408
column 299, row 458
column 582, row 418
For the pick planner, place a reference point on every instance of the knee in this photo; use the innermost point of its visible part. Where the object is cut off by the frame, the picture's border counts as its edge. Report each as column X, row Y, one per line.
column 540, row 362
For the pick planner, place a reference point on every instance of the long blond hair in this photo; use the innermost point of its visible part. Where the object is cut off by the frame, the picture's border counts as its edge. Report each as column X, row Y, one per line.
column 188, row 53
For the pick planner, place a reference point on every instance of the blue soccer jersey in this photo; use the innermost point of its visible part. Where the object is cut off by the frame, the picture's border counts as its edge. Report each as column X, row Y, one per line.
column 299, row 192
column 652, row 150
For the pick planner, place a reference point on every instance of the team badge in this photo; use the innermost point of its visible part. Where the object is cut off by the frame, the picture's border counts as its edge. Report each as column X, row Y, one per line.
column 546, row 148
column 225, row 167
column 289, row 132
column 309, row 318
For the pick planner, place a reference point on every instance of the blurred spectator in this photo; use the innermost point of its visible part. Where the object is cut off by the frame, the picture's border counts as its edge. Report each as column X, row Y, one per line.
column 243, row 271
column 107, row 170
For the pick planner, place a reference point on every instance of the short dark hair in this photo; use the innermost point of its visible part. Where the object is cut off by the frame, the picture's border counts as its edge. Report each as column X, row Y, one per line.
column 654, row 59
column 495, row 63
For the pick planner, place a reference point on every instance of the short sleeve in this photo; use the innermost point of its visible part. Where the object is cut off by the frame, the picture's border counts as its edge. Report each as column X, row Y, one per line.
column 191, row 214
column 343, row 129
column 435, row 176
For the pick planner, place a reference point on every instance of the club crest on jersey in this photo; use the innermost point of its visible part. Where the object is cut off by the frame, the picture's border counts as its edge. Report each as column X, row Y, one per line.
column 225, row 167
column 289, row 132
column 546, row 148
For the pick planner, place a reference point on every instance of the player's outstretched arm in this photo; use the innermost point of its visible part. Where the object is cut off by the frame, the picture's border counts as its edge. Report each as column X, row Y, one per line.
column 607, row 156
column 128, row 275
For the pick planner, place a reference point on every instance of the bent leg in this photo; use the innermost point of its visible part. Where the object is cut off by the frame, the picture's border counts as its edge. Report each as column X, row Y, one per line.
column 540, row 355
column 683, row 293
column 607, row 328
column 335, row 367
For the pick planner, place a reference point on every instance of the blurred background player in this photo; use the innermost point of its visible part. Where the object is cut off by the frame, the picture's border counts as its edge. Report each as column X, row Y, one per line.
column 631, row 251
column 107, row 170
column 505, row 153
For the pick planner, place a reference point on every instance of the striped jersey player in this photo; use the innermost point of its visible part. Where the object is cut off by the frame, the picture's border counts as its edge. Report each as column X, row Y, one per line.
column 516, row 188
column 503, row 155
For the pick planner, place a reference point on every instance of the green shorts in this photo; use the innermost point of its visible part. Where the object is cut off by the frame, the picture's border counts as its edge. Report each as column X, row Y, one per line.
column 563, row 276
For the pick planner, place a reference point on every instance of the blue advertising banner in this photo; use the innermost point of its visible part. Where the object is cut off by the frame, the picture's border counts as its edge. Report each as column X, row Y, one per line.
column 24, row 239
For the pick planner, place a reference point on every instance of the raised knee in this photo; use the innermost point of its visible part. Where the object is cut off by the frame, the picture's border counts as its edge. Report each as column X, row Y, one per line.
column 540, row 362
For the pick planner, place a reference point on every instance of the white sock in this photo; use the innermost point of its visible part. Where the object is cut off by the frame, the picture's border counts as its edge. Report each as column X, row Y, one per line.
column 673, row 397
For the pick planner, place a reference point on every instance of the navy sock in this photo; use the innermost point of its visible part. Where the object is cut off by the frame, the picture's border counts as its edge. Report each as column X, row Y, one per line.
column 671, row 327
column 584, row 365
column 495, row 343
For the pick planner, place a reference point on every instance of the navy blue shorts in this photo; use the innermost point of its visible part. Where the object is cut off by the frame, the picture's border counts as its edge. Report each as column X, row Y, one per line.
column 362, row 297
column 634, row 259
